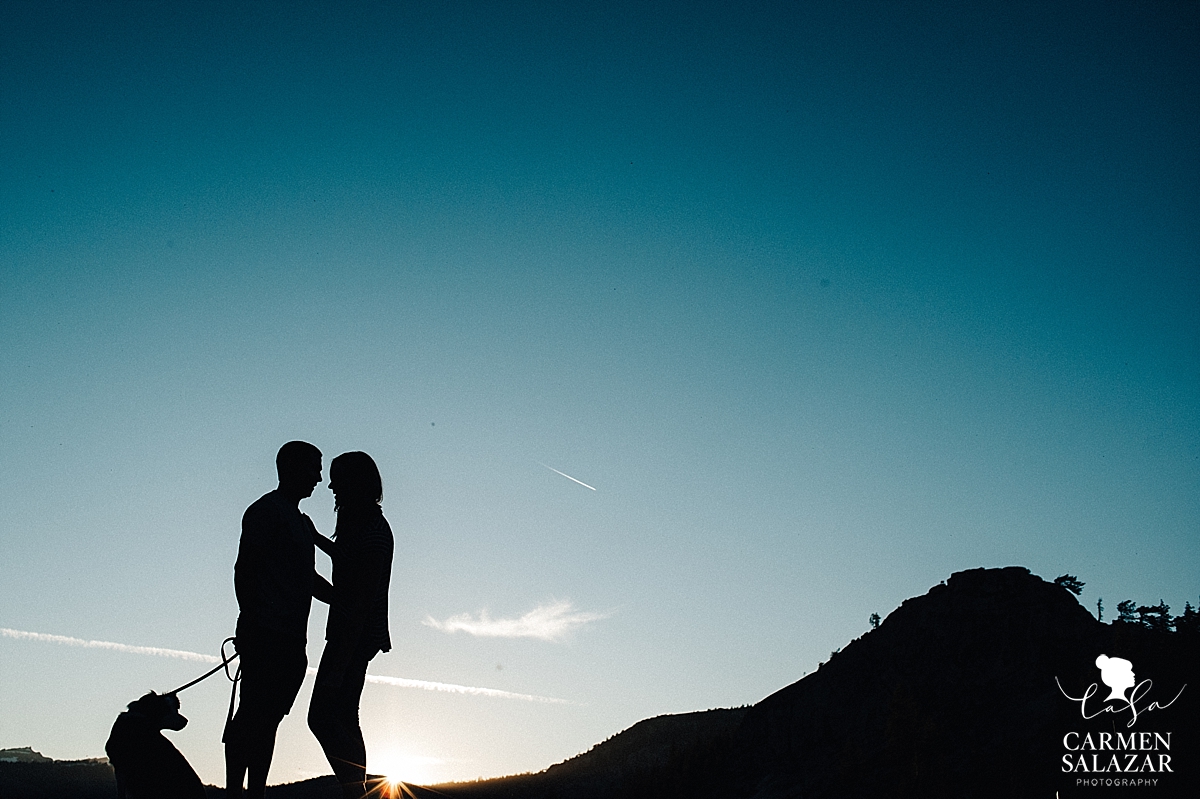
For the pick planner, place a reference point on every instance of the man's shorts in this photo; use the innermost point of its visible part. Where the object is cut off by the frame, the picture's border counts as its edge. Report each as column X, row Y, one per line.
column 273, row 668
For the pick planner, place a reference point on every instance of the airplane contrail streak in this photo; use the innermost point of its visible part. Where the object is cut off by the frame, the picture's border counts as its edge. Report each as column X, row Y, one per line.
column 425, row 685
column 157, row 651
column 564, row 474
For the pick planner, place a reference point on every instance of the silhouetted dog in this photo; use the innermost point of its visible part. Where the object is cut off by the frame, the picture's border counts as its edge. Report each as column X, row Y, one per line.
column 147, row 765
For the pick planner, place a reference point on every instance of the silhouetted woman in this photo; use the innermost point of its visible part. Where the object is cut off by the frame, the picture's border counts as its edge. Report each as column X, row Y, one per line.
column 358, row 627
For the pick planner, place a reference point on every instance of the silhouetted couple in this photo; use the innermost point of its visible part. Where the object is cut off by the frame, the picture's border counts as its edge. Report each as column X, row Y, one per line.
column 275, row 580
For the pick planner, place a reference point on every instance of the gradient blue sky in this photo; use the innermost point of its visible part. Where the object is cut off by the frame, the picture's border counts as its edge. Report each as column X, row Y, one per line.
column 826, row 300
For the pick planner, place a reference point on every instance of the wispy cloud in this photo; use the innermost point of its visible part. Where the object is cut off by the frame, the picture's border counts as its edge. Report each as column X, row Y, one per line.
column 157, row 651
column 546, row 622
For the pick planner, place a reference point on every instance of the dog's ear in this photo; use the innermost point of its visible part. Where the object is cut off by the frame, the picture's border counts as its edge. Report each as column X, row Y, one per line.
column 147, row 705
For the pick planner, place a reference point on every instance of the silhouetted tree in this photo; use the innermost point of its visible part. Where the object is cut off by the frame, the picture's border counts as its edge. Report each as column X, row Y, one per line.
column 1189, row 622
column 1127, row 611
column 1100, row 609
column 874, row 620
column 1071, row 583
column 1155, row 617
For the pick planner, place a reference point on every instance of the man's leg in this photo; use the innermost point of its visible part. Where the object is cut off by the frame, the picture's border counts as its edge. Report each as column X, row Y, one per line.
column 249, row 748
column 272, row 671
column 235, row 774
column 235, row 753
column 256, row 779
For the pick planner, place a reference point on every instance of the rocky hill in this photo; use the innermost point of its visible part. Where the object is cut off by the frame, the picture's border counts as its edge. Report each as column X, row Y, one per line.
column 957, row 694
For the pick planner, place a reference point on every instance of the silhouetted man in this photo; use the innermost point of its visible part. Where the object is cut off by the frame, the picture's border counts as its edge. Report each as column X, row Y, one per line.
column 275, row 580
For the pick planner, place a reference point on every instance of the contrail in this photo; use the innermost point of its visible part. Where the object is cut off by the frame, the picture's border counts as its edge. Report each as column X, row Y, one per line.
column 157, row 651
column 132, row 650
column 403, row 682
column 569, row 477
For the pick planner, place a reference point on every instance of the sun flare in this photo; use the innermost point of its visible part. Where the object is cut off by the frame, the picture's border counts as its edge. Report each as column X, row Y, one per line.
column 399, row 767
column 388, row 788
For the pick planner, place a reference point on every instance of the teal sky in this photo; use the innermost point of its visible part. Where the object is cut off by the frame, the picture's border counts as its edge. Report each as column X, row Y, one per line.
column 826, row 302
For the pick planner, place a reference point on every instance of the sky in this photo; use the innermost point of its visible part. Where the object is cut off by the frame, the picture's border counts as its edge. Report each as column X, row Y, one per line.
column 686, row 336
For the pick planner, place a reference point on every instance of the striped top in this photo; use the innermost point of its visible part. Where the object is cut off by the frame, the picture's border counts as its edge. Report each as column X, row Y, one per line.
column 362, row 572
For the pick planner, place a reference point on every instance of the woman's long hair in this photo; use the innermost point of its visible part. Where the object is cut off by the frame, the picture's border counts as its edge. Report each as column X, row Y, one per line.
column 359, row 486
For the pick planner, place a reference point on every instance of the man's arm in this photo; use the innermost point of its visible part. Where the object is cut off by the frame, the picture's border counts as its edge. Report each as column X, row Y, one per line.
column 322, row 589
column 252, row 547
column 323, row 543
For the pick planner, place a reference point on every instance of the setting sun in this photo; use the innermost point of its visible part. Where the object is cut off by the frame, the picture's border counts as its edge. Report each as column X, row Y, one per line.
column 398, row 767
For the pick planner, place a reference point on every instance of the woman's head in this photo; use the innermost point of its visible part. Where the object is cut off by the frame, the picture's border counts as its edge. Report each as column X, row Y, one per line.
column 355, row 482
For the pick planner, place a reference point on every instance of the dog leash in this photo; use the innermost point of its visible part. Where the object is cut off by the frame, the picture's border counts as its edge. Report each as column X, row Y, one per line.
column 234, row 677
column 224, row 664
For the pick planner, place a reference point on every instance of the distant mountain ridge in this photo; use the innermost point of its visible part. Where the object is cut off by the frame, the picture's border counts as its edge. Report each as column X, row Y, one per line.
column 23, row 754
column 27, row 774
column 956, row 694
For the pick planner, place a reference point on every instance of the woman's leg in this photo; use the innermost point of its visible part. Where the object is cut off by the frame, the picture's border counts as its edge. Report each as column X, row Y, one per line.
column 356, row 749
column 333, row 719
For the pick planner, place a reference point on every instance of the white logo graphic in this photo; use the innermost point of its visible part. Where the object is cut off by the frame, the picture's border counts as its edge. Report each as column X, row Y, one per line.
column 1117, row 674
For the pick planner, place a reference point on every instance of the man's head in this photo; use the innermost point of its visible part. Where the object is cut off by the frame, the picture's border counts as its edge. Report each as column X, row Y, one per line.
column 299, row 467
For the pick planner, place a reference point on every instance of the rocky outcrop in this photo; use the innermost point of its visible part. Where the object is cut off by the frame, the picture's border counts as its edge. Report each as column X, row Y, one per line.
column 954, row 694
column 23, row 754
